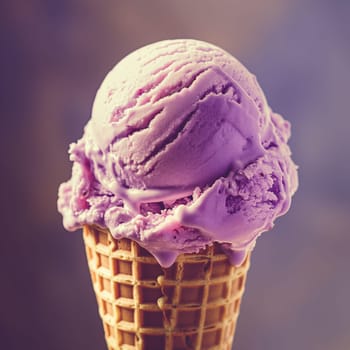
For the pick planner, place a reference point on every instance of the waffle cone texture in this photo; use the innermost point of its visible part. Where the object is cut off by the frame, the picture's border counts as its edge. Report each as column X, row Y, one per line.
column 194, row 304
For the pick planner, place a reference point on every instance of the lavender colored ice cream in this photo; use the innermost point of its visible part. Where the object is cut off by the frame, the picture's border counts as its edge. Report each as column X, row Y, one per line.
column 182, row 150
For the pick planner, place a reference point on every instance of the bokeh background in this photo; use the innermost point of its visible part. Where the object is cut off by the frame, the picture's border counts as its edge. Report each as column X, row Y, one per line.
column 55, row 53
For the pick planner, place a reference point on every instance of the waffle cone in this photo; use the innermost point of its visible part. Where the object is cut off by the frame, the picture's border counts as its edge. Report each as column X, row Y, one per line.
column 194, row 304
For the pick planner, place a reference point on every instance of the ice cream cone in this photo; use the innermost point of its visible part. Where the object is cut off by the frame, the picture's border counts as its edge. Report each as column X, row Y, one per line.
column 194, row 304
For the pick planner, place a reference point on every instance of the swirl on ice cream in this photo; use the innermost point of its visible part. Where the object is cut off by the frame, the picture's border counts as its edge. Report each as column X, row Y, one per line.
column 182, row 150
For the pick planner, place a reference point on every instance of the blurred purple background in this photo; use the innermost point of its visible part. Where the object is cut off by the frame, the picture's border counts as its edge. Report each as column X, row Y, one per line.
column 55, row 53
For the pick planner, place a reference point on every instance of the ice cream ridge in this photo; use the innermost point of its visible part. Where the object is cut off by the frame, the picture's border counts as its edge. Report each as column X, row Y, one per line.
column 182, row 151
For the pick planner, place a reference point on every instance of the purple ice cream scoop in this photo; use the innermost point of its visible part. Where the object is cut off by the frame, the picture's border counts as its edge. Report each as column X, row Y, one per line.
column 182, row 150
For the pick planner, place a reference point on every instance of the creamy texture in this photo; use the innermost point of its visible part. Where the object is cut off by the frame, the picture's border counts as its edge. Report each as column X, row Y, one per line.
column 182, row 150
